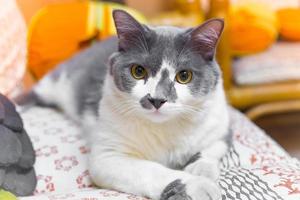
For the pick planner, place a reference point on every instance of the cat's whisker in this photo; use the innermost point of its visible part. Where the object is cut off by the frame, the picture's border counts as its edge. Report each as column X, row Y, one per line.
column 126, row 108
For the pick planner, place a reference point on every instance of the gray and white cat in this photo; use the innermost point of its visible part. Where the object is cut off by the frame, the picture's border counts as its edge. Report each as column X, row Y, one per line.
column 153, row 104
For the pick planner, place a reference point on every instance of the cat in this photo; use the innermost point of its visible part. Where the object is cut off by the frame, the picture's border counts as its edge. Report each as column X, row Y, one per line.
column 152, row 104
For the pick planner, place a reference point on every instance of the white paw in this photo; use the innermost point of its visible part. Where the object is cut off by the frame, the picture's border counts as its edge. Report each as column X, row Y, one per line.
column 199, row 188
column 203, row 189
column 204, row 167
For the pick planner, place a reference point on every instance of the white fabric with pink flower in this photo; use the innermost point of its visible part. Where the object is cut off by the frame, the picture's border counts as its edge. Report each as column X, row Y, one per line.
column 255, row 168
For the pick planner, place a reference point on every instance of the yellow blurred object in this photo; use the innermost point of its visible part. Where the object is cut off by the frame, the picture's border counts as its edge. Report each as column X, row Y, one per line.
column 30, row 7
column 58, row 31
column 176, row 18
column 184, row 13
column 4, row 195
column 289, row 21
column 253, row 28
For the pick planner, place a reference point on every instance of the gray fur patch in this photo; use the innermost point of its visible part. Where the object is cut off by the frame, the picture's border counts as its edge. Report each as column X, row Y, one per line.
column 228, row 138
column 86, row 73
column 175, row 191
column 145, row 103
column 205, row 80
column 122, row 76
column 165, row 88
column 193, row 159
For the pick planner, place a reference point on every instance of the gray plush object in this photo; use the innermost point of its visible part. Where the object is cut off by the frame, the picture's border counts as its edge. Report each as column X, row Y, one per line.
column 17, row 156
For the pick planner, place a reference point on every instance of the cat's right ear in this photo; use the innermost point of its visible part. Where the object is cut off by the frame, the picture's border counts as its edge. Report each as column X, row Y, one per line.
column 204, row 38
column 130, row 32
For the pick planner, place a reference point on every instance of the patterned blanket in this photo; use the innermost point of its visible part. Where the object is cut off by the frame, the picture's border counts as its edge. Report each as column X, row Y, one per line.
column 255, row 168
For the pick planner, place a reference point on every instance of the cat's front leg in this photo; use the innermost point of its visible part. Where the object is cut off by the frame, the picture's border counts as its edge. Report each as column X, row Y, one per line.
column 150, row 179
column 207, row 167
column 206, row 163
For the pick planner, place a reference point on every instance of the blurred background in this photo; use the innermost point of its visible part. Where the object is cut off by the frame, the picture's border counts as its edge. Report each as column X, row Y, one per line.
column 259, row 52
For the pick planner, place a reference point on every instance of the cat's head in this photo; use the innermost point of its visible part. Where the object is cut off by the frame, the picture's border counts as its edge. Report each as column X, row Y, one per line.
column 163, row 72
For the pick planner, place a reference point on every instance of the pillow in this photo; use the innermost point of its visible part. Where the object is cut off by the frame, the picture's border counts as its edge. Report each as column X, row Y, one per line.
column 12, row 47
column 252, row 28
column 289, row 20
column 280, row 63
column 60, row 30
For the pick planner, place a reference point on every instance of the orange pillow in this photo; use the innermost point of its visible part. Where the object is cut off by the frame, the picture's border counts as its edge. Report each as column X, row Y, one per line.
column 60, row 30
column 253, row 28
column 30, row 7
column 289, row 21
column 12, row 47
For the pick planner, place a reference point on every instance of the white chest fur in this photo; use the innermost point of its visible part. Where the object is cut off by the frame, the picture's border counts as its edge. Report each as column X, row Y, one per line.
column 170, row 143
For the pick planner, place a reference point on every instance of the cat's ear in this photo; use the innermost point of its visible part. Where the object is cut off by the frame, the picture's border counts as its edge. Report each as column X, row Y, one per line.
column 204, row 38
column 130, row 32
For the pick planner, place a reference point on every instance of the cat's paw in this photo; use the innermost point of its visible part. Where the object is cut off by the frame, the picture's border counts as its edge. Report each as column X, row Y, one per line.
column 199, row 188
column 204, row 167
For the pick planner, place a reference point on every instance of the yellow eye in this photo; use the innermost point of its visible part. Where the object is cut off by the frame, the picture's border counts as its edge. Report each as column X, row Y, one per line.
column 138, row 72
column 184, row 76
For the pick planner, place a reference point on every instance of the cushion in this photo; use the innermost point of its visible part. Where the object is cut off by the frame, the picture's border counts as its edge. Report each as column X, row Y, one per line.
column 60, row 30
column 255, row 25
column 289, row 19
column 280, row 63
column 13, row 47
column 256, row 167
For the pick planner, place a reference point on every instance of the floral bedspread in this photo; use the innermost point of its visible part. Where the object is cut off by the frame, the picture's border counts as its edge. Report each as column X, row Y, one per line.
column 256, row 167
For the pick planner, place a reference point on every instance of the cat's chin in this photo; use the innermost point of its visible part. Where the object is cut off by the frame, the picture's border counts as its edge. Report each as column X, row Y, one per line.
column 158, row 117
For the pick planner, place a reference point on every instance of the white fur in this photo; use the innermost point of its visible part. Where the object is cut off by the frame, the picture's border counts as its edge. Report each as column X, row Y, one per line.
column 133, row 154
column 58, row 91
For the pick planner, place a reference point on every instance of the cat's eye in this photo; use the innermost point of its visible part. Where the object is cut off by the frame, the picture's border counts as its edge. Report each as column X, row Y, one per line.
column 138, row 72
column 184, row 76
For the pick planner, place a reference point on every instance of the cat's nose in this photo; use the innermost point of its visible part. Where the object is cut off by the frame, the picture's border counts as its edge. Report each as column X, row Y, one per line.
column 157, row 103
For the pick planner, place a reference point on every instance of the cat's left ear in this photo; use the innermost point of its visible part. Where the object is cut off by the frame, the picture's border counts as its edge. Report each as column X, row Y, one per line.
column 204, row 38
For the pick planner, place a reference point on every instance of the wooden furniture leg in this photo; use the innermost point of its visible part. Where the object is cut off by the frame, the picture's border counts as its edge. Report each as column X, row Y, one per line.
column 273, row 108
column 220, row 9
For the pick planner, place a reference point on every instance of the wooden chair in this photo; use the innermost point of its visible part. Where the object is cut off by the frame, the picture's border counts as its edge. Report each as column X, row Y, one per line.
column 257, row 100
